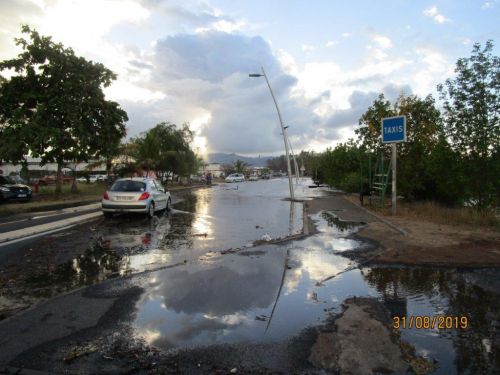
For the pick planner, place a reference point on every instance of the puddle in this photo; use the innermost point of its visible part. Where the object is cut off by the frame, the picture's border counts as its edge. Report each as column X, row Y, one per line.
column 328, row 222
column 256, row 298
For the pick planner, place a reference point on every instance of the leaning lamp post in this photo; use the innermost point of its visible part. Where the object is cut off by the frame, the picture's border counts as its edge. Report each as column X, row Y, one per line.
column 285, row 140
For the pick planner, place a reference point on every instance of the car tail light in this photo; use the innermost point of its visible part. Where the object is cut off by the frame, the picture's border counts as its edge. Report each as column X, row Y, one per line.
column 105, row 196
column 144, row 196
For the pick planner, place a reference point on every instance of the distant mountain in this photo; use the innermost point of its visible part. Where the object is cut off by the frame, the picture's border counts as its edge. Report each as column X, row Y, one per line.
column 222, row 158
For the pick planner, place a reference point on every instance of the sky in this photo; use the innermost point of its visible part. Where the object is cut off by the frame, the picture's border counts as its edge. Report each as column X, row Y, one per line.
column 188, row 61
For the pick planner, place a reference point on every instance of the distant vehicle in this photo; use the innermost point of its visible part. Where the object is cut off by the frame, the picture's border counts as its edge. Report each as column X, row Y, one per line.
column 266, row 176
column 235, row 177
column 138, row 194
column 253, row 177
column 12, row 191
column 81, row 179
column 198, row 178
column 97, row 178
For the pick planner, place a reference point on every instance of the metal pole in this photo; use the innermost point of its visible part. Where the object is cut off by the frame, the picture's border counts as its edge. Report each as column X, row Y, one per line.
column 284, row 137
column 394, row 178
column 297, row 175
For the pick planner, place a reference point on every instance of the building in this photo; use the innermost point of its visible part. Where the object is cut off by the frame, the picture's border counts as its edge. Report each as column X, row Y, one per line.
column 214, row 168
column 47, row 169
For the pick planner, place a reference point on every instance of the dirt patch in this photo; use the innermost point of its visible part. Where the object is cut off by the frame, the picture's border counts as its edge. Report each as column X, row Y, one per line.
column 427, row 243
column 432, row 244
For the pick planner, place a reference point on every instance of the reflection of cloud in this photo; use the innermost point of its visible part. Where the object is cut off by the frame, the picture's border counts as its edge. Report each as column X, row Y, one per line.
column 150, row 336
column 221, row 290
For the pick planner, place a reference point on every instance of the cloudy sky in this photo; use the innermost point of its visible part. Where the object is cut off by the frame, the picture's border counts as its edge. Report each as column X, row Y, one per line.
column 188, row 61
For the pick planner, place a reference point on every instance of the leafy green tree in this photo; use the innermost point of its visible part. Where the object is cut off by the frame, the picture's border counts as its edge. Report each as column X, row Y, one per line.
column 424, row 128
column 445, row 169
column 166, row 150
column 369, row 132
column 53, row 107
column 472, row 122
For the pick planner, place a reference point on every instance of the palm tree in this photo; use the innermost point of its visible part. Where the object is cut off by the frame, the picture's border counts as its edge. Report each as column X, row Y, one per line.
column 239, row 166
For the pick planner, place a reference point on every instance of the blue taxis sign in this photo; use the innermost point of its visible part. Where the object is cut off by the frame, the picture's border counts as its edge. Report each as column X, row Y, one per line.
column 394, row 129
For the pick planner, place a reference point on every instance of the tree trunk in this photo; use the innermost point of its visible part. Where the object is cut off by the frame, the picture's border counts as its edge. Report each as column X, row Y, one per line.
column 59, row 178
column 108, row 169
column 74, row 186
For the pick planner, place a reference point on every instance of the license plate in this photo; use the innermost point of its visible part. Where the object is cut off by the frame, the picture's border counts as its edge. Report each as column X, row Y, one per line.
column 124, row 198
column 21, row 195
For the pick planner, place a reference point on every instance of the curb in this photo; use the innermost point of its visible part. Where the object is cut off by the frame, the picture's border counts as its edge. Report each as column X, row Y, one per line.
column 43, row 228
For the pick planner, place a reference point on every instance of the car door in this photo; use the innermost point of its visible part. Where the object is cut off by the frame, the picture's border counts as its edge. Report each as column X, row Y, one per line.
column 161, row 196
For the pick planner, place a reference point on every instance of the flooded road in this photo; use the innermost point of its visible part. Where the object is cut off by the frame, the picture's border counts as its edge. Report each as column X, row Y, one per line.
column 204, row 284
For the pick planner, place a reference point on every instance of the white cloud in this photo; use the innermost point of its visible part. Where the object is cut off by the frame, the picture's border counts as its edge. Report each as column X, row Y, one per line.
column 307, row 48
column 436, row 66
column 331, row 43
column 383, row 41
column 433, row 13
column 224, row 26
column 489, row 4
column 346, row 34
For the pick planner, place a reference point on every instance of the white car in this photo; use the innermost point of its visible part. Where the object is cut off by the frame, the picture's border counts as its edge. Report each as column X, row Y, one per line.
column 81, row 179
column 141, row 195
column 253, row 177
column 235, row 177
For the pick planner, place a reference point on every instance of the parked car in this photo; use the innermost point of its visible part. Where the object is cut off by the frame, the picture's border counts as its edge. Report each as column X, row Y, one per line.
column 93, row 179
column 11, row 191
column 235, row 177
column 138, row 194
column 253, row 177
column 266, row 176
column 81, row 179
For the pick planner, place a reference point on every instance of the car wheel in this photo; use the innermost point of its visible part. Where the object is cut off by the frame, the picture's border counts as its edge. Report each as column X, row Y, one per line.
column 151, row 210
column 107, row 215
column 169, row 205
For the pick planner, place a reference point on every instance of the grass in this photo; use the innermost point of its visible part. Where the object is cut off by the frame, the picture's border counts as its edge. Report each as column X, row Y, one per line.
column 47, row 199
column 439, row 214
column 85, row 190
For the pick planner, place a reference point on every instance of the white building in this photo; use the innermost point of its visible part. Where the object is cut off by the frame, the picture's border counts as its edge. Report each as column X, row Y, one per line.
column 214, row 168
column 49, row 168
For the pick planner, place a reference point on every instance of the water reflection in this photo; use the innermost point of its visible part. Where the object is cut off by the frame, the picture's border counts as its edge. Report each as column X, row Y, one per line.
column 431, row 292
column 206, row 304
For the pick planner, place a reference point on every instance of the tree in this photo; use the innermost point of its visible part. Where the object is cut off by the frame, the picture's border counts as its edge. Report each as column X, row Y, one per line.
column 471, row 111
column 368, row 133
column 165, row 150
column 424, row 128
column 240, row 166
column 54, row 107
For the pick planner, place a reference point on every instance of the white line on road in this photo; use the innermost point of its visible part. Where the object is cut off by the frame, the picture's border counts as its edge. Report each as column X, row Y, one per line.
column 45, row 228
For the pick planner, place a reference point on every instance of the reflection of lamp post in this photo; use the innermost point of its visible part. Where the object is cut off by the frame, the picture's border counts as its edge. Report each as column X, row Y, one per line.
column 285, row 139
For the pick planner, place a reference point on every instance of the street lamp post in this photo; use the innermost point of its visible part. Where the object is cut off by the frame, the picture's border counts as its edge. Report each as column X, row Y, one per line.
column 292, row 197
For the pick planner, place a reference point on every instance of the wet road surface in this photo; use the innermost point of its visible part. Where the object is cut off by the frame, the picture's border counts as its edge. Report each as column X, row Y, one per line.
column 192, row 283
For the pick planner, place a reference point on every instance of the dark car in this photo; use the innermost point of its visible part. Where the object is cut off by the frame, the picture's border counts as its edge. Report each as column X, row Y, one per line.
column 11, row 191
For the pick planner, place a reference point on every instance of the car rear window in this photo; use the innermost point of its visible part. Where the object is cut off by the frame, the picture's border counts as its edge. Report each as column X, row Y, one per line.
column 128, row 185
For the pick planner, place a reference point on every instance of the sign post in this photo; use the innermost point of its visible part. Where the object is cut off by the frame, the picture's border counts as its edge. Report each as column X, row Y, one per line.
column 394, row 131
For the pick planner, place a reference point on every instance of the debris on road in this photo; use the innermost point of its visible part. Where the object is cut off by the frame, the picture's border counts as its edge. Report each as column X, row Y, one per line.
column 79, row 351
column 266, row 237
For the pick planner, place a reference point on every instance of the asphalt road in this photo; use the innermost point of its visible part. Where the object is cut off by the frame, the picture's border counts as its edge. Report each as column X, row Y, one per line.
column 26, row 220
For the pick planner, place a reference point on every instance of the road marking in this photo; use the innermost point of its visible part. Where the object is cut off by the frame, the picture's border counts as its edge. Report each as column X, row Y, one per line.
column 44, row 228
